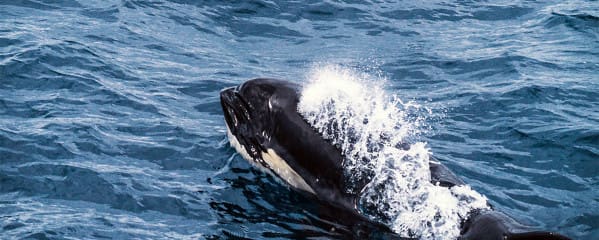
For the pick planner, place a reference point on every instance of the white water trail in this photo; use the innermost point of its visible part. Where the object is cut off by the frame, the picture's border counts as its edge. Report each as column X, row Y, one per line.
column 390, row 174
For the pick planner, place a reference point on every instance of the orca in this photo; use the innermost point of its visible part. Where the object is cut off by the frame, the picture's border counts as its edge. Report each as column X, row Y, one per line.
column 263, row 125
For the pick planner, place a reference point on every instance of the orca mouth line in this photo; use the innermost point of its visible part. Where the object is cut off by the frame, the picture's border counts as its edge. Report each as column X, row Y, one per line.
column 234, row 108
column 226, row 97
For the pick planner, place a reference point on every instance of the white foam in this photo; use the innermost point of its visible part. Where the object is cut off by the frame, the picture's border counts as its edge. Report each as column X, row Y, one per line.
column 352, row 110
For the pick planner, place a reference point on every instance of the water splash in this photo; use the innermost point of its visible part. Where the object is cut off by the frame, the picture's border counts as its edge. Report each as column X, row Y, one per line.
column 383, row 164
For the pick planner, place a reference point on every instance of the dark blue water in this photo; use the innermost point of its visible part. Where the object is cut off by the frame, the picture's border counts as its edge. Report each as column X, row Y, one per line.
column 110, row 123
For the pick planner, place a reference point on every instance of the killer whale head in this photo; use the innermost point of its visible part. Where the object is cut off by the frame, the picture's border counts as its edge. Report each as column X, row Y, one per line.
column 264, row 126
column 250, row 111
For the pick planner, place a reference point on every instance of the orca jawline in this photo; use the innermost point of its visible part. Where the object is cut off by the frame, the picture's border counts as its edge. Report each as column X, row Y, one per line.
column 277, row 166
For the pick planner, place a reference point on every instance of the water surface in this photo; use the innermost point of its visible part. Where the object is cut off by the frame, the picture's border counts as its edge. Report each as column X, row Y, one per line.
column 110, row 123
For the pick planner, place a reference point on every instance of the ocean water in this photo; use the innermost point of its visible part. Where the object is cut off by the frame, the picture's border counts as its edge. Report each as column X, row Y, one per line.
column 111, row 126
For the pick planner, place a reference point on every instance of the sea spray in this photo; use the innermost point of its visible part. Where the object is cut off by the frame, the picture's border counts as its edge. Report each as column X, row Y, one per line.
column 383, row 164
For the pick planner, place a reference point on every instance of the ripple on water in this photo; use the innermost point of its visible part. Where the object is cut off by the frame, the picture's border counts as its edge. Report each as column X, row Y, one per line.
column 111, row 127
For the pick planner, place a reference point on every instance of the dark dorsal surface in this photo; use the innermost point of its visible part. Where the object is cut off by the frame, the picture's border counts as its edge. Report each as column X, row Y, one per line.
column 493, row 225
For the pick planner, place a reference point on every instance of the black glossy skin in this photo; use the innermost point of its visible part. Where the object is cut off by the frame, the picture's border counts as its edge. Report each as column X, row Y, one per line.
column 248, row 115
column 262, row 114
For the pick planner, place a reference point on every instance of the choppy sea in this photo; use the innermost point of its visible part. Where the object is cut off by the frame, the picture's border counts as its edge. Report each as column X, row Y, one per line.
column 111, row 127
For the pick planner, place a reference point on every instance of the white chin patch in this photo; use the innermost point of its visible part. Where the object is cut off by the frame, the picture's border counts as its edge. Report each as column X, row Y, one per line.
column 277, row 166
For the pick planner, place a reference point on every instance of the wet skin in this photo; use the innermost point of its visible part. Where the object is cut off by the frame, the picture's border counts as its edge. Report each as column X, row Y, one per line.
column 263, row 122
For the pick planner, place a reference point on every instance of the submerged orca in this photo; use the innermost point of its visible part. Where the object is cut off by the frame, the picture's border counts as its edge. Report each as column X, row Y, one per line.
column 265, row 128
